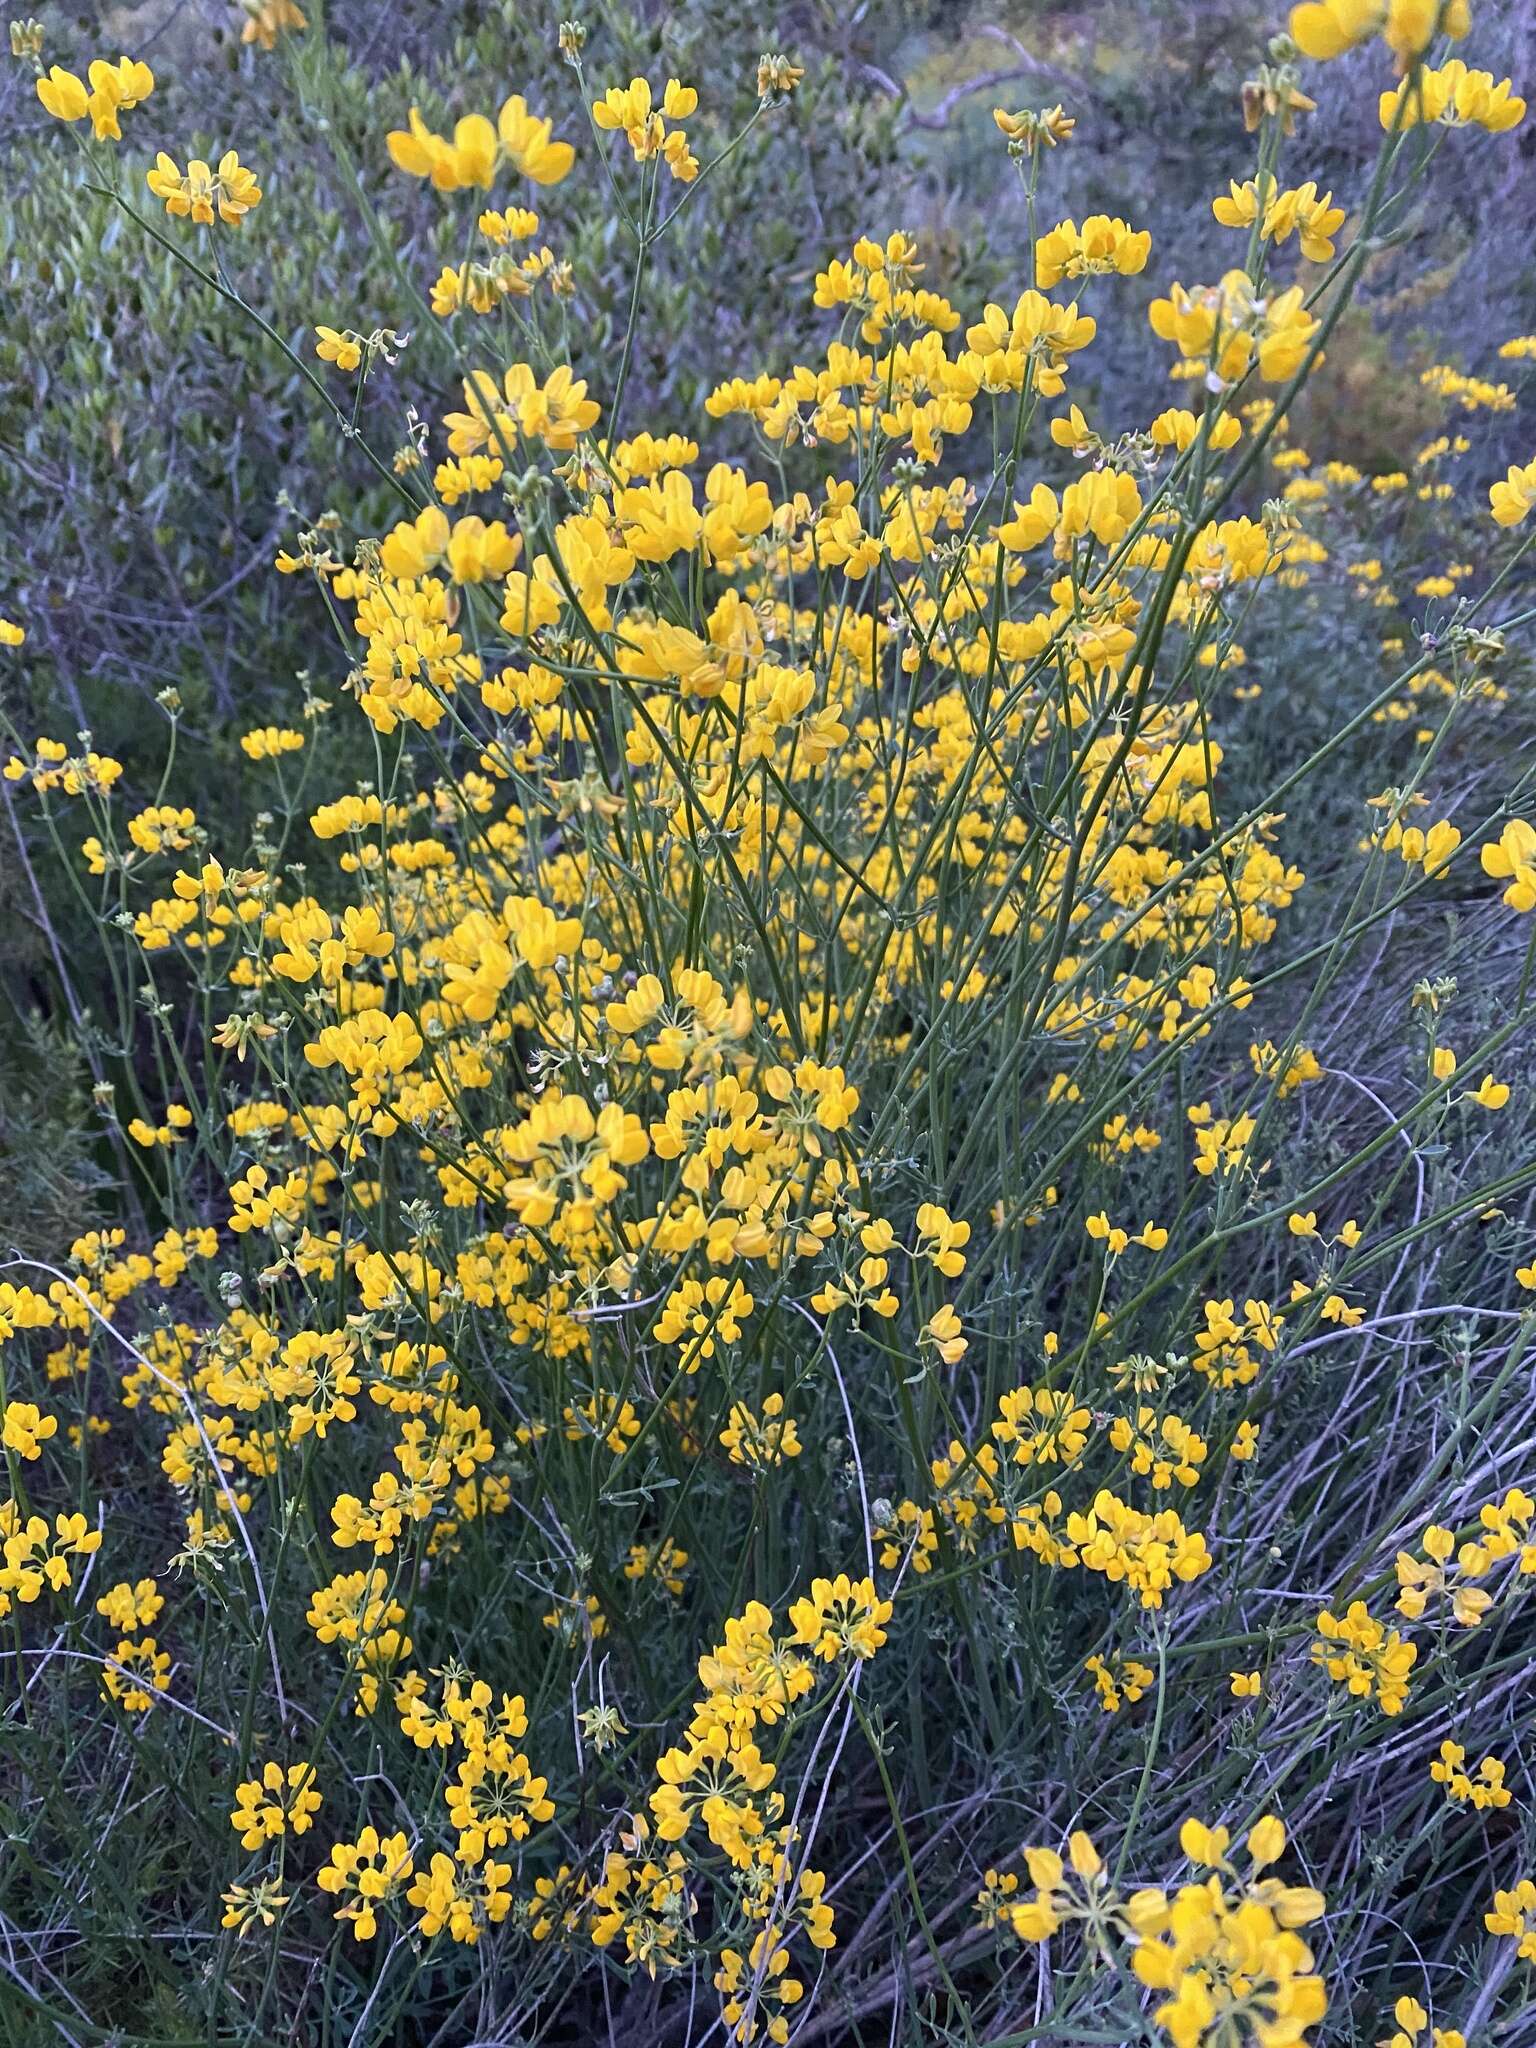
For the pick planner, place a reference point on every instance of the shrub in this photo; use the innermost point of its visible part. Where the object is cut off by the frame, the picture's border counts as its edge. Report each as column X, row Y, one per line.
column 820, row 1308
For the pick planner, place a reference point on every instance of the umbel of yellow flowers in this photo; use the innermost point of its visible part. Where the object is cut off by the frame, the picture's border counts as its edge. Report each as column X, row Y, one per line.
column 198, row 193
column 114, row 89
column 1224, row 1948
column 1327, row 28
column 477, row 150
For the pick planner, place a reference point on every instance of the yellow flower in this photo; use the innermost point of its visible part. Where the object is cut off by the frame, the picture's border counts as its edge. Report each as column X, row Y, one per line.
column 629, row 110
column 1105, row 503
column 1511, row 500
column 198, row 193
column 528, row 144
column 137, row 1671
column 363, row 1874
column 344, row 350
column 1327, row 28
column 1456, row 98
column 1512, row 858
column 841, row 1617
column 115, row 88
column 1028, row 130
column 267, row 742
column 279, row 1802
column 266, row 20
column 24, row 1429
column 463, row 1899
column 1369, row 1660
column 943, row 1330
column 762, row 1439
column 1228, row 329
column 1514, row 1914
column 1101, row 246
column 470, row 159
column 63, row 95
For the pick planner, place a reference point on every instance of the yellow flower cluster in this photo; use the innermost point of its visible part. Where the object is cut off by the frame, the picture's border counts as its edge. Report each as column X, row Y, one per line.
column 682, row 1120
column 1223, row 1949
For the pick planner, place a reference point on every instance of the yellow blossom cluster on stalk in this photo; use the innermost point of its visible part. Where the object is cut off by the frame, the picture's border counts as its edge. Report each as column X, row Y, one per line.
column 1230, row 1960
column 777, row 1074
